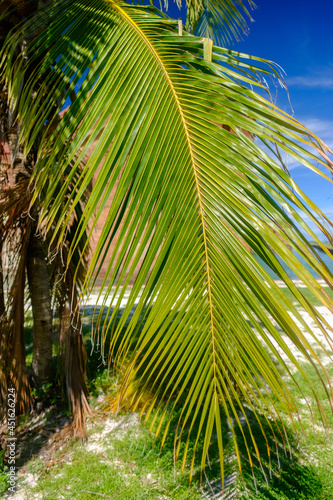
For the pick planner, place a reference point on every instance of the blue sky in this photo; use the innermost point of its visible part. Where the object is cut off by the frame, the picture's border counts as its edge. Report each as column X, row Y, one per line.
column 298, row 35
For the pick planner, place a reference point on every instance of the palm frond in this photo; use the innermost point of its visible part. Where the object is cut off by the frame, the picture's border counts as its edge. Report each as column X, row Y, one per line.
column 195, row 195
column 223, row 21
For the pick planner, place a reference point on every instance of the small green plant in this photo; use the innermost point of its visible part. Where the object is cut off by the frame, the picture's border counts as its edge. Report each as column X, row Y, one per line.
column 36, row 466
column 3, row 473
column 23, row 420
column 41, row 392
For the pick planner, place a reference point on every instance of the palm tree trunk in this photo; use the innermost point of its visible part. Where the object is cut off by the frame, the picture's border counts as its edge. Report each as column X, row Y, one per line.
column 13, row 169
column 3, row 340
column 18, row 376
column 2, row 292
column 75, row 369
column 73, row 357
column 39, row 288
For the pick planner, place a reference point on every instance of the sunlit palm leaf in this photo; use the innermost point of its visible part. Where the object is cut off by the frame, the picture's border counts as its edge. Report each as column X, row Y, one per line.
column 195, row 195
column 221, row 20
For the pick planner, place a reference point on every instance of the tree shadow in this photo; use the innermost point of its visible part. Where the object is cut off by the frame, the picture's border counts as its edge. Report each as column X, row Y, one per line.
column 34, row 435
column 286, row 473
column 283, row 472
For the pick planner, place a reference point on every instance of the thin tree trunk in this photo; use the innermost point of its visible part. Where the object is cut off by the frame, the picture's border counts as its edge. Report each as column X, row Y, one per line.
column 18, row 377
column 39, row 288
column 3, row 322
column 75, row 370
column 15, row 168
column 2, row 291
column 3, row 341
column 73, row 357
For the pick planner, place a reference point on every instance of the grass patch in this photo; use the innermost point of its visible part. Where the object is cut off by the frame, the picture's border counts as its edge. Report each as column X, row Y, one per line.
column 124, row 465
column 128, row 464
column 306, row 470
column 308, row 295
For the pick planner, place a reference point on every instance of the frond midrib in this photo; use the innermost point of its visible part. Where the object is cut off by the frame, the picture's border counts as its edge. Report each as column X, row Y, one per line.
column 151, row 48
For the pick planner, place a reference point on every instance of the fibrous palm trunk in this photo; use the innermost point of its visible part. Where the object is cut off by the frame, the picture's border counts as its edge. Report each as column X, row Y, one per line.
column 18, row 376
column 3, row 336
column 39, row 288
column 74, row 356
column 12, row 344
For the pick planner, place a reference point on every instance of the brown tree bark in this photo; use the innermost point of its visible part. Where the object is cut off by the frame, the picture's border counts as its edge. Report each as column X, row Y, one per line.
column 39, row 288
column 3, row 339
column 19, row 168
column 2, row 292
column 74, row 356
column 18, row 377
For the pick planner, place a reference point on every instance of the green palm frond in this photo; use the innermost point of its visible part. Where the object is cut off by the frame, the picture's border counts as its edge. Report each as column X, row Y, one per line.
column 195, row 195
column 223, row 21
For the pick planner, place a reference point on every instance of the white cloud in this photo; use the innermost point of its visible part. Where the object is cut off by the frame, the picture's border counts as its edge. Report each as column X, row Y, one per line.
column 322, row 128
column 311, row 81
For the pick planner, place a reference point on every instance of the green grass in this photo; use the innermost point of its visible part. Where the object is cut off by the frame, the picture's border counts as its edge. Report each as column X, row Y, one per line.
column 3, row 473
column 308, row 295
column 130, row 464
column 306, row 472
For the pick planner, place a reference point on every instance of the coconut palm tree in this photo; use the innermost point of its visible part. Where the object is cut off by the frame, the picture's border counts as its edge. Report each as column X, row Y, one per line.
column 191, row 155
column 27, row 255
column 21, row 244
